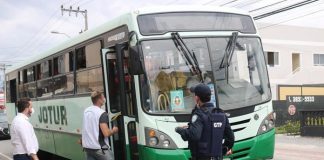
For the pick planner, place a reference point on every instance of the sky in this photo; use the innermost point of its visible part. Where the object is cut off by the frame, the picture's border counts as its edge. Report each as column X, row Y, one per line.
column 26, row 25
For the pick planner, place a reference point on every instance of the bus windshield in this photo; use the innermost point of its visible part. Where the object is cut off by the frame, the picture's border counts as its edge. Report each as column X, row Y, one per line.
column 242, row 82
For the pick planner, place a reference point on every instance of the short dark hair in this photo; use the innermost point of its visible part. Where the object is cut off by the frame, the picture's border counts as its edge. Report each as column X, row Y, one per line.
column 205, row 99
column 95, row 96
column 202, row 91
column 22, row 104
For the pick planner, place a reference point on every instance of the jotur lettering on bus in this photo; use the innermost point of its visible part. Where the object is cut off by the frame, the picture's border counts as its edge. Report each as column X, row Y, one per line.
column 53, row 115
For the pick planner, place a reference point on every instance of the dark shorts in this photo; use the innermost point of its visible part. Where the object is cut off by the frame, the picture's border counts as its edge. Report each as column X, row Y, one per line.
column 22, row 157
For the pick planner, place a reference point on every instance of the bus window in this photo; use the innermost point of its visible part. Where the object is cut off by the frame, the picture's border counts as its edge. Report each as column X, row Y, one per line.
column 20, row 85
column 46, row 69
column 38, row 72
column 89, row 80
column 22, row 90
column 63, row 81
column 20, row 80
column 80, row 58
column 25, row 80
column 93, row 54
column 71, row 61
column 11, row 93
column 61, row 64
column 31, row 74
column 63, row 84
column 165, row 87
column 44, row 88
column 30, row 90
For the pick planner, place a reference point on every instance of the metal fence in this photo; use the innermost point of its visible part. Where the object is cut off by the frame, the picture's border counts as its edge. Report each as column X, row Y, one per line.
column 308, row 110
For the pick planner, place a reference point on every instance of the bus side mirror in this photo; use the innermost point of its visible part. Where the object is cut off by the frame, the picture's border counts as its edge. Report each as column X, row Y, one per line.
column 136, row 61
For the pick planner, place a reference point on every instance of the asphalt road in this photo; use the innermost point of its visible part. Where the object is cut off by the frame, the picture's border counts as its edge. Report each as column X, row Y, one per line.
column 287, row 148
column 298, row 148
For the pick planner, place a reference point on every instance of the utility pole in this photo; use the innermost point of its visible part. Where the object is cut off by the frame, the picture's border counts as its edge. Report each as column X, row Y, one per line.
column 84, row 13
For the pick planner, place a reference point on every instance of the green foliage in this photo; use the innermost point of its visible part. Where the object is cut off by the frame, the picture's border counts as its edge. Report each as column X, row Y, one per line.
column 290, row 128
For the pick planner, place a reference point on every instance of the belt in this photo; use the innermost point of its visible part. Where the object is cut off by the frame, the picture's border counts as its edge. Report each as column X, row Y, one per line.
column 105, row 149
column 205, row 158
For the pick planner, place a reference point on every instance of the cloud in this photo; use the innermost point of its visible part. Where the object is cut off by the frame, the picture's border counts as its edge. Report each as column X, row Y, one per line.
column 26, row 25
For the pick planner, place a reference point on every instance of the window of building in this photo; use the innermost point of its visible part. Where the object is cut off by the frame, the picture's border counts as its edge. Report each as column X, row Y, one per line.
column 272, row 58
column 318, row 59
column 80, row 58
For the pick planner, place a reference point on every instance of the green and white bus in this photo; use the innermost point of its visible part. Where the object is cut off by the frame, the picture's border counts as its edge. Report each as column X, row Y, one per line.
column 145, row 62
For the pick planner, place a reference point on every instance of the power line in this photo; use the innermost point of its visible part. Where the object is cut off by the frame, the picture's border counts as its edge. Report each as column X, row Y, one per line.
column 284, row 9
column 267, row 6
column 228, row 3
column 291, row 19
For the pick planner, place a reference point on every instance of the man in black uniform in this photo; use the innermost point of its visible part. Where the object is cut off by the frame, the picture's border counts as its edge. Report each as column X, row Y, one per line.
column 207, row 129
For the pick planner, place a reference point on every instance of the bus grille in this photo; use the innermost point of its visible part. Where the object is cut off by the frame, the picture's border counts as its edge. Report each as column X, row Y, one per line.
column 239, row 123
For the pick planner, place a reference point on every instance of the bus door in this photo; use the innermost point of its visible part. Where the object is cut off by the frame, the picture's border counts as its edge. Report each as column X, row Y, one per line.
column 121, row 104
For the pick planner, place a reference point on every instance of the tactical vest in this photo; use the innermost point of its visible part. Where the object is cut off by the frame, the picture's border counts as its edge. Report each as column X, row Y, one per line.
column 211, row 141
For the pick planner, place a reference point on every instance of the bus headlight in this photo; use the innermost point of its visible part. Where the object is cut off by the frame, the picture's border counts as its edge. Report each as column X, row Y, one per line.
column 267, row 124
column 153, row 141
column 158, row 139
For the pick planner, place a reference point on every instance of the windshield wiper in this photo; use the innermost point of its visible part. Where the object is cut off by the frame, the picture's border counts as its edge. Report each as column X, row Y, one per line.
column 189, row 57
column 229, row 54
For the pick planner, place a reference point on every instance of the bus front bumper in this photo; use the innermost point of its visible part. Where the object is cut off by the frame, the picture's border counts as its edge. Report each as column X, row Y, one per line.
column 259, row 147
column 148, row 153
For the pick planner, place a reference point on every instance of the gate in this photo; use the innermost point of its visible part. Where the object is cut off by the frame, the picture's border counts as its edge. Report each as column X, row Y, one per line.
column 312, row 123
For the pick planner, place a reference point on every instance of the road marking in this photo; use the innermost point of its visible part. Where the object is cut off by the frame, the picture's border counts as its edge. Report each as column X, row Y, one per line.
column 5, row 156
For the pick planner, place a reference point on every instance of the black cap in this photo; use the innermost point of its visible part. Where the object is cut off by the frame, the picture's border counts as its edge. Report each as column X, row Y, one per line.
column 202, row 91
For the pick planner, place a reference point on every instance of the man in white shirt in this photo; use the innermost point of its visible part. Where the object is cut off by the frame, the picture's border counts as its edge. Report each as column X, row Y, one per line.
column 95, row 130
column 23, row 138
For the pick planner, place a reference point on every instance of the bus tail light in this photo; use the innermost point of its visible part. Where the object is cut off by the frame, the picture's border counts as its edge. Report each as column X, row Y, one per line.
column 158, row 139
column 267, row 124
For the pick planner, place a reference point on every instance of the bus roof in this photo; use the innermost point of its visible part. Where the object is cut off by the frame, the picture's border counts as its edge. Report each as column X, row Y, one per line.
column 188, row 8
column 123, row 19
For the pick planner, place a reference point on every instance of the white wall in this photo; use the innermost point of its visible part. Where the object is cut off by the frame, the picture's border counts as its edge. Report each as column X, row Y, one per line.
column 287, row 40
